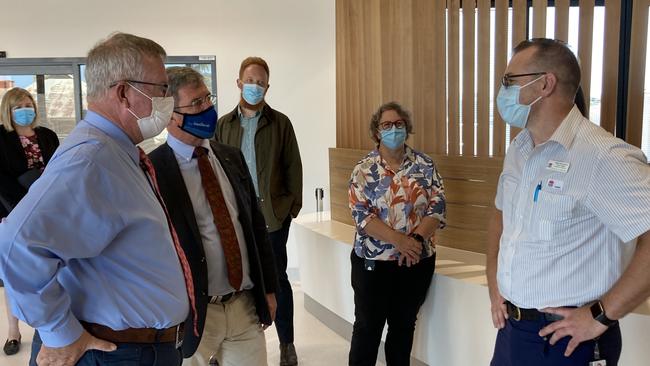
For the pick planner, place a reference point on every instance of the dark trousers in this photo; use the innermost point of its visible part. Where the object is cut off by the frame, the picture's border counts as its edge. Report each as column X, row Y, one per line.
column 126, row 354
column 284, row 295
column 392, row 294
column 518, row 343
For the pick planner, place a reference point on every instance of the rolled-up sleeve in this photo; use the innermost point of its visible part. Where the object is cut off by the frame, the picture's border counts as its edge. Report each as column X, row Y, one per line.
column 359, row 203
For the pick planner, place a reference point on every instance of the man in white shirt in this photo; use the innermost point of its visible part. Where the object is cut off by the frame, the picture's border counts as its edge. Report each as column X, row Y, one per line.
column 212, row 204
column 572, row 203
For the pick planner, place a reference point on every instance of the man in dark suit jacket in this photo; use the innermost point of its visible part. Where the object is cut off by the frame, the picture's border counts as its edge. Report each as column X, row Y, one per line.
column 212, row 204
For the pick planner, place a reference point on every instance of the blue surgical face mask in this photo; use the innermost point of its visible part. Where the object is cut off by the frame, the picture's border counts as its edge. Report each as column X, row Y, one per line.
column 24, row 116
column 253, row 94
column 202, row 125
column 511, row 111
column 393, row 138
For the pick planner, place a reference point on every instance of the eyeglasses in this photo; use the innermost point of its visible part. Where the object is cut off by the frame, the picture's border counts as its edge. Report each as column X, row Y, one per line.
column 162, row 86
column 387, row 125
column 197, row 102
column 507, row 81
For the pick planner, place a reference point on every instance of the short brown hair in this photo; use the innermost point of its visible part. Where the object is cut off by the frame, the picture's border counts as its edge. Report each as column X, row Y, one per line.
column 554, row 56
column 253, row 60
column 390, row 106
column 9, row 100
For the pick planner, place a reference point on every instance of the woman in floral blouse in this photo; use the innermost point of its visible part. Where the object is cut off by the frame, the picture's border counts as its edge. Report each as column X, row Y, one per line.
column 397, row 202
column 25, row 149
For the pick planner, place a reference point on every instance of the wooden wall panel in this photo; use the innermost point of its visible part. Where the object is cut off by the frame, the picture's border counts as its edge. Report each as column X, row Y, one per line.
column 638, row 46
column 562, row 20
column 585, row 42
column 483, row 79
column 519, row 31
column 424, row 70
column 539, row 18
column 610, row 65
column 440, row 77
column 500, row 62
column 469, row 10
column 453, row 78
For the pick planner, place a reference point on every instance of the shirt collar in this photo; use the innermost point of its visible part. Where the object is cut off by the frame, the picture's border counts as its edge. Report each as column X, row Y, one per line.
column 184, row 150
column 566, row 132
column 563, row 135
column 113, row 131
column 241, row 115
column 409, row 155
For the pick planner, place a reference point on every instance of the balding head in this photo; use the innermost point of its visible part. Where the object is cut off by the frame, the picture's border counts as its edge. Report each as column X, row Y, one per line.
column 554, row 57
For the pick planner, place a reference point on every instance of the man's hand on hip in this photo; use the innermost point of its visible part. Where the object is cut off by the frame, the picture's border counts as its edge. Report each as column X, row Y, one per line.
column 498, row 308
column 69, row 355
column 578, row 324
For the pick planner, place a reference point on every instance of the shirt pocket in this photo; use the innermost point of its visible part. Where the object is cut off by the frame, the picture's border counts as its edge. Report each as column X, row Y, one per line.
column 509, row 197
column 553, row 215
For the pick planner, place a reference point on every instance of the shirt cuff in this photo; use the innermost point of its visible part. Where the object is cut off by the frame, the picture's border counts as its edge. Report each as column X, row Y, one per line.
column 63, row 335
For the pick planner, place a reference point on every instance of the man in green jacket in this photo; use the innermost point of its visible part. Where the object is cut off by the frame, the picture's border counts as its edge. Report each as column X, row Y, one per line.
column 270, row 149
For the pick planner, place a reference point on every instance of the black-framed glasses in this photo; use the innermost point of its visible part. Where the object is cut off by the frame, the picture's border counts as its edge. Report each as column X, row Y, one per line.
column 197, row 102
column 507, row 81
column 387, row 125
column 162, row 86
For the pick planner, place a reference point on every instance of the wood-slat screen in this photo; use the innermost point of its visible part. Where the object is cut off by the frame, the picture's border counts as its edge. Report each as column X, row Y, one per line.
column 443, row 61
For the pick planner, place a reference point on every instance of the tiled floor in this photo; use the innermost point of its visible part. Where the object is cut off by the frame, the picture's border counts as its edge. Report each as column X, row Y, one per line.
column 315, row 343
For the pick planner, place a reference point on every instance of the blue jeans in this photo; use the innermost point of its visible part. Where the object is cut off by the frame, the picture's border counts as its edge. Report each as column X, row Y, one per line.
column 127, row 354
column 518, row 343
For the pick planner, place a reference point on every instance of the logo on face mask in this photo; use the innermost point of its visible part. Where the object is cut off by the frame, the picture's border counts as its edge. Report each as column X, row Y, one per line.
column 512, row 112
column 202, row 124
column 24, row 116
column 253, row 94
column 161, row 112
column 393, row 138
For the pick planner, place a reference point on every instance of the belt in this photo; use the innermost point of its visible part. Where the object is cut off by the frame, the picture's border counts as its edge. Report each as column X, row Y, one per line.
column 518, row 314
column 220, row 299
column 136, row 335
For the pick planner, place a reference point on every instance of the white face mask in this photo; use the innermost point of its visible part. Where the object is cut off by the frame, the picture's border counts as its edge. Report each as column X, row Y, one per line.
column 161, row 112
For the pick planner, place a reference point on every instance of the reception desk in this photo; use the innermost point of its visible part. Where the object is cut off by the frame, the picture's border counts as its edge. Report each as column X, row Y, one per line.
column 454, row 327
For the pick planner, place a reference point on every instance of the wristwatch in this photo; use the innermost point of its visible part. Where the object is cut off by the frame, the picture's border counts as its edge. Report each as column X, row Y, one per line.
column 598, row 312
column 419, row 238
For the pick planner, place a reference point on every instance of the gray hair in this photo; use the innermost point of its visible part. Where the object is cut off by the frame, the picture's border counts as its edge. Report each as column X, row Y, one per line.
column 390, row 106
column 119, row 57
column 181, row 76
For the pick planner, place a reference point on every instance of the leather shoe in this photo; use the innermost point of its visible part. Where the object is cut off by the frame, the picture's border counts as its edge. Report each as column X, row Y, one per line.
column 12, row 347
column 288, row 355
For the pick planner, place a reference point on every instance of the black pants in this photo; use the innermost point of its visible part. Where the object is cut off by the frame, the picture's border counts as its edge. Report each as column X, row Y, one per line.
column 284, row 295
column 387, row 293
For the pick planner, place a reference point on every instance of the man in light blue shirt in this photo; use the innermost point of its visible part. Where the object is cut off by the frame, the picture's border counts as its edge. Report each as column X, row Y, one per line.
column 88, row 256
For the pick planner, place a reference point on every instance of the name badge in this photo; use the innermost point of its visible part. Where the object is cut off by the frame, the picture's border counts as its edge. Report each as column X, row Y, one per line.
column 555, row 184
column 557, row 166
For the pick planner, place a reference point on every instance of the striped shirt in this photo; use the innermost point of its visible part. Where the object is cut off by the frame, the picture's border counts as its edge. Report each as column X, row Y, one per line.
column 572, row 210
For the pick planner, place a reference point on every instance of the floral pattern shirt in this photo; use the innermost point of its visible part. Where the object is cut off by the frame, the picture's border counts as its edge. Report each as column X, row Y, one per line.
column 32, row 152
column 400, row 198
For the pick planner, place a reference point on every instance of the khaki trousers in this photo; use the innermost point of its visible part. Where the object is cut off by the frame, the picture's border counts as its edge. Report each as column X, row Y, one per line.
column 232, row 333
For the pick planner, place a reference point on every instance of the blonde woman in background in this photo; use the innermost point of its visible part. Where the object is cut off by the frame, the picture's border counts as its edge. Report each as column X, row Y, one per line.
column 25, row 149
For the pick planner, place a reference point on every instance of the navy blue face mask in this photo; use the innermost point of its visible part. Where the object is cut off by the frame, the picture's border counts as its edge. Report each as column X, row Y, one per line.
column 202, row 124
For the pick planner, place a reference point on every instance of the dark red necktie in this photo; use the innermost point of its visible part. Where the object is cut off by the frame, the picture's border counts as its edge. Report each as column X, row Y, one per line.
column 221, row 217
column 147, row 166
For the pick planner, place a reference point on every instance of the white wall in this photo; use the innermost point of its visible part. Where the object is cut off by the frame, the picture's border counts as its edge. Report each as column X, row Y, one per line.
column 296, row 37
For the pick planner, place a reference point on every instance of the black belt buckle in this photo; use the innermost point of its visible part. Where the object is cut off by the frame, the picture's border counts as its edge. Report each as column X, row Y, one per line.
column 514, row 311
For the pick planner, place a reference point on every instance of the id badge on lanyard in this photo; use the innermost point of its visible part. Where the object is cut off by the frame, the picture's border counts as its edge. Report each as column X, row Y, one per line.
column 597, row 360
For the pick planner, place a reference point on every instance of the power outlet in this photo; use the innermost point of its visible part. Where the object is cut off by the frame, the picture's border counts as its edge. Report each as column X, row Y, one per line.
column 3, row 54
